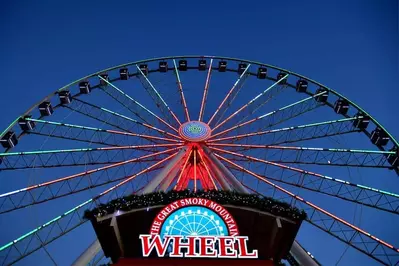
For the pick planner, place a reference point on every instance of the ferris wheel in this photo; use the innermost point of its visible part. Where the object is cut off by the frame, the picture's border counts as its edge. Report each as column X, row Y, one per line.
column 203, row 123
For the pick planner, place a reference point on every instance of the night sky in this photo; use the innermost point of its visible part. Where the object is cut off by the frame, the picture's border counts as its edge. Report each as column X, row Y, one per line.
column 350, row 46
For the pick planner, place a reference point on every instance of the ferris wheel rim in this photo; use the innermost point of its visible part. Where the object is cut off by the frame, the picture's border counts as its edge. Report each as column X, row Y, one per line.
column 340, row 95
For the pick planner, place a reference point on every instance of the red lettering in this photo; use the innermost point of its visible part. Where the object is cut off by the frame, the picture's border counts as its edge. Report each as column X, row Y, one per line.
column 207, row 246
column 178, row 244
column 148, row 246
column 188, row 201
column 242, row 248
column 226, row 247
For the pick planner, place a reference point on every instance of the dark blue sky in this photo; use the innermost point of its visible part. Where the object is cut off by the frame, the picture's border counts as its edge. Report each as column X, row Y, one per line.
column 350, row 46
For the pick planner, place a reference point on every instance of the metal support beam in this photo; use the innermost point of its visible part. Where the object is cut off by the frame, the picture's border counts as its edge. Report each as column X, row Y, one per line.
column 156, row 181
column 88, row 254
column 219, row 177
column 301, row 256
column 226, row 172
column 114, row 224
column 169, row 178
column 297, row 251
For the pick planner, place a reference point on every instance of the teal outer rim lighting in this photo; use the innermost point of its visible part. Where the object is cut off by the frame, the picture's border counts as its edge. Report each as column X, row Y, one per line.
column 44, row 225
column 204, row 57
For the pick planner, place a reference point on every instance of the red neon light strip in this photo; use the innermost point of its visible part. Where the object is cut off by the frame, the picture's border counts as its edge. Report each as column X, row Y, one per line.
column 228, row 118
column 203, row 181
column 267, row 162
column 204, row 97
column 206, row 167
column 185, row 178
column 235, row 127
column 195, row 171
column 139, row 146
column 135, row 175
column 227, row 96
column 251, row 134
column 183, row 100
column 308, row 203
column 98, row 169
column 141, row 135
column 167, row 124
column 161, row 131
column 299, row 170
column 172, row 170
column 249, row 103
column 184, row 167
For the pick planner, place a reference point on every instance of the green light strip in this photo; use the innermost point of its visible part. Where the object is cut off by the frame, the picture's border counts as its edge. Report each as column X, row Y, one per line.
column 176, row 71
column 361, row 151
column 44, row 225
column 63, row 124
column 122, row 116
column 272, row 86
column 292, row 104
column 152, row 86
column 127, row 96
column 9, row 127
column 380, row 191
column 328, row 122
column 46, row 151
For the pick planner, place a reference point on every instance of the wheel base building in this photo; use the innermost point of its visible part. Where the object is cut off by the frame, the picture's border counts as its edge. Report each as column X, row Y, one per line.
column 271, row 236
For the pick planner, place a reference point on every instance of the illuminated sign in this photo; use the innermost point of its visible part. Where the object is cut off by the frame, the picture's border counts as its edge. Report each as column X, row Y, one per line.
column 195, row 131
column 195, row 227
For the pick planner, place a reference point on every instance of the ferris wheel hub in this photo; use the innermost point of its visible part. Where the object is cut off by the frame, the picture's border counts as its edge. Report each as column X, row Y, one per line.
column 195, row 131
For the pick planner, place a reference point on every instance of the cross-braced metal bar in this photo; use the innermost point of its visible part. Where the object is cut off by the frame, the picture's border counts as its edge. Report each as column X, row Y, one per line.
column 74, row 157
column 375, row 198
column 206, row 89
column 316, row 156
column 357, row 238
column 295, row 133
column 229, row 98
column 122, row 122
column 72, row 184
column 250, row 108
column 157, row 98
column 135, row 107
column 43, row 235
column 180, row 88
column 278, row 116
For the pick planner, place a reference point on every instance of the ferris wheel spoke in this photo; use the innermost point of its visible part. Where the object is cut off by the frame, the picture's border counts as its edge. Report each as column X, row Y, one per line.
column 73, row 157
column 256, row 102
column 280, row 115
column 68, row 185
column 319, row 156
column 157, row 98
column 227, row 101
column 95, row 112
column 27, row 244
column 181, row 178
column 206, row 88
column 180, row 86
column 298, row 133
column 350, row 234
column 133, row 105
column 339, row 188
column 103, row 114
column 91, row 134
